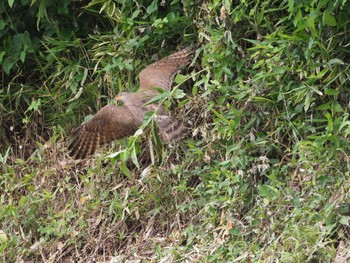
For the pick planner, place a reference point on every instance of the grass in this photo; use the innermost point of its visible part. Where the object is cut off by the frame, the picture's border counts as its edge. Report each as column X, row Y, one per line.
column 263, row 175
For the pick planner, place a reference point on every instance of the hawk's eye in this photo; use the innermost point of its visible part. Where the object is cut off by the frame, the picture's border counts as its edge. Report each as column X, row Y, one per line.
column 119, row 102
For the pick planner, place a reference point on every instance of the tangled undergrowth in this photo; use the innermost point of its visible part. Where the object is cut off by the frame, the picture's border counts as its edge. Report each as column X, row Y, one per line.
column 263, row 175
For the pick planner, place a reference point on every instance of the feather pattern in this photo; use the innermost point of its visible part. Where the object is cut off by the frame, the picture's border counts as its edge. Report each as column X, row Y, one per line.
column 115, row 122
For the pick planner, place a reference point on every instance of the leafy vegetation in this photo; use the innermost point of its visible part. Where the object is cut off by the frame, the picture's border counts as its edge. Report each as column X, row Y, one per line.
column 263, row 176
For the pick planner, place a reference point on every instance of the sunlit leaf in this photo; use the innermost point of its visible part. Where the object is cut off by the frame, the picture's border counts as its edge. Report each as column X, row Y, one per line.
column 329, row 19
column 10, row 2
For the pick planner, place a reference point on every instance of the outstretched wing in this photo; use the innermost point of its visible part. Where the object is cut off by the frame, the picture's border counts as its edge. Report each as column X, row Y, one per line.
column 171, row 129
column 109, row 123
column 161, row 73
column 115, row 122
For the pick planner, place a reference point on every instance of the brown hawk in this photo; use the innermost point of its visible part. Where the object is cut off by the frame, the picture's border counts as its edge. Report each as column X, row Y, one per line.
column 115, row 122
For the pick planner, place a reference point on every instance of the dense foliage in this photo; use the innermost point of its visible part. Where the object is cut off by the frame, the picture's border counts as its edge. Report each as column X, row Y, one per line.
column 263, row 176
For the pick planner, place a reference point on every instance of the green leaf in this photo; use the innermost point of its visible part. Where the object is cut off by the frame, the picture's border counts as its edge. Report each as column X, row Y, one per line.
column 344, row 220
column 264, row 190
column 34, row 106
column 290, row 5
column 23, row 55
column 179, row 79
column 178, row 94
column 11, row 2
column 261, row 99
column 345, row 123
column 73, row 87
column 22, row 201
column 88, row 117
column 152, row 7
column 158, row 98
column 307, row 102
column 329, row 19
column 128, row 66
column 2, row 24
column 114, row 155
column 125, row 170
column 8, row 65
column 331, row 92
column 110, row 9
column 41, row 12
column 329, row 122
column 268, row 191
column 2, row 54
column 336, row 61
column 135, row 14
column 337, row 107
column 325, row 106
column 86, row 71
column 315, row 89
column 220, row 116
column 134, row 156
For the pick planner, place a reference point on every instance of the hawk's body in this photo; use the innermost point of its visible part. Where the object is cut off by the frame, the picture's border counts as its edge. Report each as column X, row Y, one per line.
column 115, row 122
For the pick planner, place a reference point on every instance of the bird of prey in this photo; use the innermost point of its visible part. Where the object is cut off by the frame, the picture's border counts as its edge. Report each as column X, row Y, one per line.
column 114, row 122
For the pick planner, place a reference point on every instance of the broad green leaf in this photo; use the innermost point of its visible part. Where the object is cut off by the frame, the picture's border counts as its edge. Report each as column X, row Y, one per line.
column 264, row 191
column 22, row 200
column 8, row 64
column 23, row 55
column 88, row 117
column 344, row 220
column 113, row 155
column 125, row 169
column 11, row 2
column 179, row 79
column 110, row 9
column 329, row 19
column 290, row 5
column 158, row 98
column 73, row 87
column 336, row 61
column 178, row 94
column 2, row 24
column 325, row 106
column 331, row 92
column 268, row 191
column 337, row 107
column 128, row 66
column 152, row 7
column 2, row 54
column 135, row 14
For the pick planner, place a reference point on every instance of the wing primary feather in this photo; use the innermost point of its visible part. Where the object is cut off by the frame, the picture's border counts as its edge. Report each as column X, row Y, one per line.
column 110, row 123
column 161, row 73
